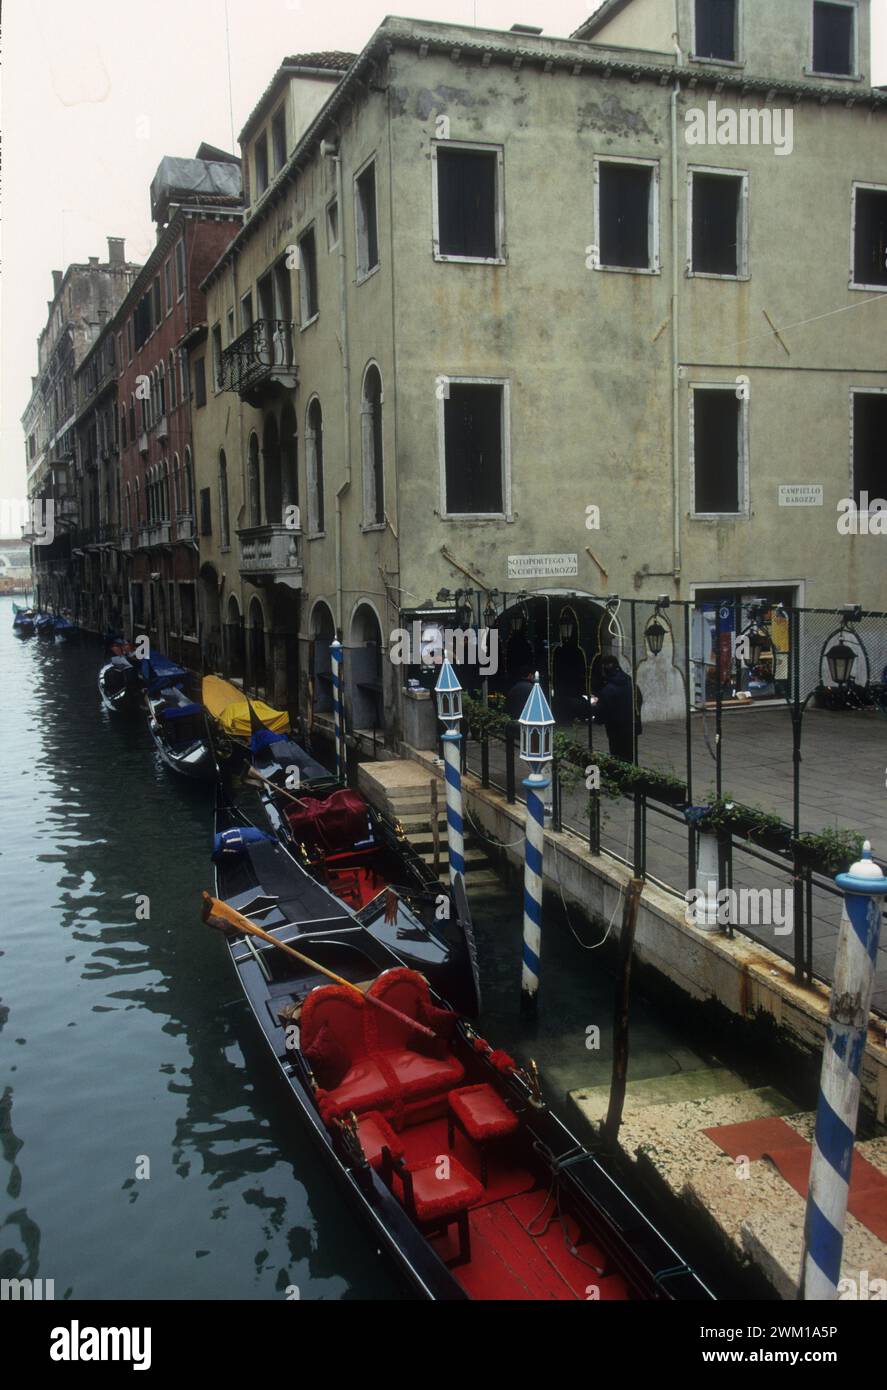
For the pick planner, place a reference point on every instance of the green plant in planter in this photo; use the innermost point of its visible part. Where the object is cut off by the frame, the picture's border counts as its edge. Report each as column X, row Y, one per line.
column 830, row 851
column 752, row 822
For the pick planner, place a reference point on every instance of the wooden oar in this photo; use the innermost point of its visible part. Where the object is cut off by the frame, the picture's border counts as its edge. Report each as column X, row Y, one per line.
column 253, row 774
column 225, row 918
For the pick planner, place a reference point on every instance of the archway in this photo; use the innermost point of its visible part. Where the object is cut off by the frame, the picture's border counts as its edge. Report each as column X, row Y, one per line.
column 211, row 618
column 258, row 665
column 235, row 644
column 363, row 670
column 371, row 448
column 323, row 630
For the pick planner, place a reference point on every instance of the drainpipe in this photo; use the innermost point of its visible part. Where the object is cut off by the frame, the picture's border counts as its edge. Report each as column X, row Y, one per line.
column 675, row 336
column 332, row 152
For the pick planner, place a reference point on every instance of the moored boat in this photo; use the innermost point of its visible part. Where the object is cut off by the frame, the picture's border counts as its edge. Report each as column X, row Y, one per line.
column 465, row 1178
column 119, row 685
column 44, row 626
column 177, row 724
column 23, row 621
column 64, row 630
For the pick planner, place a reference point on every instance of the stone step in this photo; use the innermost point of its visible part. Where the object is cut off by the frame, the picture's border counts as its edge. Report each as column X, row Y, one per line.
column 660, row 1090
column 472, row 857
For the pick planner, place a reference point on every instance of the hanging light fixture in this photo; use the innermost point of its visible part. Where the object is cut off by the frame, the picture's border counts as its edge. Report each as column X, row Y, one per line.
column 841, row 660
column 655, row 635
column 567, row 624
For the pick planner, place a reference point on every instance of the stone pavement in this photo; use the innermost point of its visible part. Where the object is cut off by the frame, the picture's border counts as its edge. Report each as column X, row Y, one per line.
column 843, row 775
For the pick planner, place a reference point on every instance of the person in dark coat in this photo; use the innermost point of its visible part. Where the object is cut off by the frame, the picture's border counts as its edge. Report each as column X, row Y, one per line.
column 615, row 709
column 519, row 694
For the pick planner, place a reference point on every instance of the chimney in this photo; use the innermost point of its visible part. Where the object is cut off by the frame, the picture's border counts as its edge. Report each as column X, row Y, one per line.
column 533, row 29
column 57, row 278
column 93, row 260
column 116, row 250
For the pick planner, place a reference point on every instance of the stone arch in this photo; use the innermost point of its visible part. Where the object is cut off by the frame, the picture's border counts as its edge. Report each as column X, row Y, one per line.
column 258, row 656
column 314, row 465
column 363, row 668
column 322, row 627
column 235, row 642
column 372, row 449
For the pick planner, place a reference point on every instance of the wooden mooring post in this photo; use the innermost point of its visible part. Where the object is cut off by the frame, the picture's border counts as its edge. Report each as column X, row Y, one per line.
column 621, row 1014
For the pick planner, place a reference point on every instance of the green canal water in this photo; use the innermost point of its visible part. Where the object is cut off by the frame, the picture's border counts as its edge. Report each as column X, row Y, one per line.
column 146, row 1149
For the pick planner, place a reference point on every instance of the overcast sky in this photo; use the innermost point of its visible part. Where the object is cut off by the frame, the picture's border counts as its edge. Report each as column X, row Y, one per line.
column 95, row 92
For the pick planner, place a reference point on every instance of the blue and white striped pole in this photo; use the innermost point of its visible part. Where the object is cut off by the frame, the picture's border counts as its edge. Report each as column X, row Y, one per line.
column 864, row 887
column 338, row 709
column 448, row 693
column 536, row 725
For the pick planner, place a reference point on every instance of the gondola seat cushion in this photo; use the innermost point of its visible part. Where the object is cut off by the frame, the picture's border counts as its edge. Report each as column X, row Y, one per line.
column 482, row 1113
column 436, row 1197
column 376, row 1134
column 382, row 1070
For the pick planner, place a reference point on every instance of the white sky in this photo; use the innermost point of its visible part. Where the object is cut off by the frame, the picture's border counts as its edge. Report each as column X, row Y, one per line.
column 97, row 91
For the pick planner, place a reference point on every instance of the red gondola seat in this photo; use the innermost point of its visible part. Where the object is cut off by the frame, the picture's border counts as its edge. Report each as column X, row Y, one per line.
column 481, row 1113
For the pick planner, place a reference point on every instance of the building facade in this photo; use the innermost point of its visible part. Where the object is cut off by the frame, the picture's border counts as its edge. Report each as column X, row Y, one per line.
column 530, row 319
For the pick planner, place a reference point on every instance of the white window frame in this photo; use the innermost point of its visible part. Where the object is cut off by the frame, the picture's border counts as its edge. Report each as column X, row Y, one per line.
column 653, row 217
column 362, row 274
column 743, row 261
column 443, row 396
column 871, row 188
column 303, row 280
column 742, row 454
column 330, row 244
column 485, row 148
column 739, row 47
column 854, row 392
column 855, row 75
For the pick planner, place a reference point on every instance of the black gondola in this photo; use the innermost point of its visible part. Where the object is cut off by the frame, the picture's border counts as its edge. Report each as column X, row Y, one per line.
column 119, row 686
column 466, row 1180
column 23, row 621
column 177, row 724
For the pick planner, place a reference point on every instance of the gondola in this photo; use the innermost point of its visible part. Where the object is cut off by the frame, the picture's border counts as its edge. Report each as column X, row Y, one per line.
column 64, row 630
column 466, row 1180
column 427, row 925
column 177, row 724
column 119, row 686
column 44, row 626
column 23, row 621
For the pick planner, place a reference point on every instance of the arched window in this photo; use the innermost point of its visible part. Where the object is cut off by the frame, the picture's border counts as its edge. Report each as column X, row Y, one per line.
column 271, row 468
column 166, row 516
column 132, row 418
column 128, row 508
column 188, row 485
column 314, row 464
column 161, row 383
column 138, row 506
column 123, row 427
column 171, row 377
column 252, row 481
column 224, row 526
column 371, row 448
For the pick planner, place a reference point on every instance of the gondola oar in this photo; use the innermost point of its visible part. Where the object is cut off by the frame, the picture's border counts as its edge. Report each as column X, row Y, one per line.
column 218, row 914
column 253, row 774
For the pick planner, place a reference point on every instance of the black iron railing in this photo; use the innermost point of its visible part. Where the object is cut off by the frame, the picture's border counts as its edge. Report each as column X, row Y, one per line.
column 264, row 349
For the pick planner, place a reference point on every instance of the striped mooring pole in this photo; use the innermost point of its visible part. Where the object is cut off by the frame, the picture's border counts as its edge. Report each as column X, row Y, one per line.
column 536, row 726
column 864, row 887
column 338, row 710
column 448, row 695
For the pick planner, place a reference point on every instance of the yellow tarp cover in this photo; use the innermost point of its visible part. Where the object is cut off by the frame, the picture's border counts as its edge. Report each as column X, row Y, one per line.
column 229, row 706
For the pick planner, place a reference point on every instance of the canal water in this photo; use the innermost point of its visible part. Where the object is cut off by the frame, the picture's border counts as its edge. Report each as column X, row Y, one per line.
column 145, row 1147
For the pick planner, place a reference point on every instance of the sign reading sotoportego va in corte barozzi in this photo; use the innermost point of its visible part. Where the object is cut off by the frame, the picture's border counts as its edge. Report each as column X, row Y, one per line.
column 543, row 566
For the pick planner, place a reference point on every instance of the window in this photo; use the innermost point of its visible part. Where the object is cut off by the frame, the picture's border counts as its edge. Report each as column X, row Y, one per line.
column 157, row 313
column 206, row 520
column 180, row 267
column 869, row 456
column 199, row 381
column 171, row 605
column 167, row 279
column 132, row 418
column 187, row 485
column 307, row 277
column 246, row 312
column 475, row 416
column 171, row 377
column 718, row 433
column 332, row 225
column 365, row 217
column 231, row 334
column 261, row 156
column 869, row 236
column 278, row 139
column 217, row 356
column 224, row 523
column 184, row 386
column 314, row 457
column 718, row 205
column 161, row 384
column 371, row 448
column 129, row 337
column 627, row 215
column 188, row 610
column 716, row 30
column 834, row 39
column 467, row 203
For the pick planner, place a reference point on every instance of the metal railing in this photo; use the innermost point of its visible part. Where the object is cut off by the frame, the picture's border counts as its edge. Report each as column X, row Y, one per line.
column 265, row 349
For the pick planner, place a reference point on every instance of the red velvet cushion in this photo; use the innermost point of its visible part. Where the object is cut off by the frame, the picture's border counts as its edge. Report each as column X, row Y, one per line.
column 342, row 1010
column 404, row 990
column 327, row 1058
column 482, row 1113
column 418, row 1076
column 364, row 1087
column 437, row 1197
column 375, row 1135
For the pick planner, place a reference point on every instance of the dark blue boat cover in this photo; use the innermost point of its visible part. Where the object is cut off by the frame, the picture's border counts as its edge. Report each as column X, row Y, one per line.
column 235, row 841
column 157, row 670
column 180, row 711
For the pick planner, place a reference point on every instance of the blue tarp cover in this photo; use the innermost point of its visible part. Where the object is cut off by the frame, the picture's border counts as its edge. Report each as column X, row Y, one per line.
column 179, row 711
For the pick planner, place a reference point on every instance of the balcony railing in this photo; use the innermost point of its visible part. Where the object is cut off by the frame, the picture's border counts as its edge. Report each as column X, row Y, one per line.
column 162, row 428
column 143, row 537
column 143, row 442
column 261, row 361
column 271, row 552
column 126, row 540
column 159, row 533
column 184, row 528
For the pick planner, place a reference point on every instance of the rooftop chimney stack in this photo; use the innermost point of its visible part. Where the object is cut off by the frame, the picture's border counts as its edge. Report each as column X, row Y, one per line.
column 116, row 250
column 57, row 278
